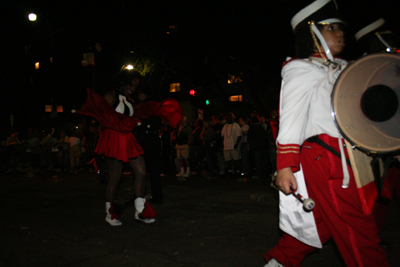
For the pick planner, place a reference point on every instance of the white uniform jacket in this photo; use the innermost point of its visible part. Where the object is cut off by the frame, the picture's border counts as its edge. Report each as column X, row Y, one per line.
column 305, row 111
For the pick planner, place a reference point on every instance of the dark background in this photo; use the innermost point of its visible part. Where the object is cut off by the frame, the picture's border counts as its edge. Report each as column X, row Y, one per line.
column 212, row 39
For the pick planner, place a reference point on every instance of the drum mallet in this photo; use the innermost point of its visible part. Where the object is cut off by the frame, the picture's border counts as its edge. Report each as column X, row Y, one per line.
column 308, row 203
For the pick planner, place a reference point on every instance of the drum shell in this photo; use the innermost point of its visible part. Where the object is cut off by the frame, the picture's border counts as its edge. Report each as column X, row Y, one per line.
column 372, row 136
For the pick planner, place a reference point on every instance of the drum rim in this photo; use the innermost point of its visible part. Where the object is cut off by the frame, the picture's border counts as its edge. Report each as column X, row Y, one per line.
column 333, row 113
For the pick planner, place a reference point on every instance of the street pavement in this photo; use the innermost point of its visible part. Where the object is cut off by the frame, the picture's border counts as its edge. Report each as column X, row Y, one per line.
column 57, row 219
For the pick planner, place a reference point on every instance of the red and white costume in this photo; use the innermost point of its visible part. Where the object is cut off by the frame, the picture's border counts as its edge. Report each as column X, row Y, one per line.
column 117, row 140
column 305, row 111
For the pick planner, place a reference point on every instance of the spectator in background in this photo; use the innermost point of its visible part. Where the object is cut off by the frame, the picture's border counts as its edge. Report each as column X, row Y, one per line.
column 12, row 146
column 45, row 147
column 219, row 122
column 74, row 150
column 232, row 134
column 272, row 133
column 167, row 155
column 255, row 114
column 197, row 148
column 263, row 122
column 244, row 152
column 148, row 136
column 183, row 140
column 258, row 145
column 63, row 150
column 33, row 147
column 209, row 138
column 84, row 156
column 53, row 152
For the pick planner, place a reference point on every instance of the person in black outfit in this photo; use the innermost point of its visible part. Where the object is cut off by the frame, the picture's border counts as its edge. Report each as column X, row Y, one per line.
column 183, row 141
column 167, row 151
column 219, row 122
column 257, row 140
column 13, row 145
column 148, row 136
column 197, row 147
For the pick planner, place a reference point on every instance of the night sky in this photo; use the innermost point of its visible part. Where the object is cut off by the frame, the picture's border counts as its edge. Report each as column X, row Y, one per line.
column 235, row 36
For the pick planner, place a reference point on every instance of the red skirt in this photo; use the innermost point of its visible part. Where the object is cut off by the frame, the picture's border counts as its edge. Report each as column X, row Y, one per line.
column 119, row 145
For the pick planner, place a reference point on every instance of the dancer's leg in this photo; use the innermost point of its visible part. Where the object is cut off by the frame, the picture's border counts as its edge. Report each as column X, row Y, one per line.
column 138, row 167
column 114, row 172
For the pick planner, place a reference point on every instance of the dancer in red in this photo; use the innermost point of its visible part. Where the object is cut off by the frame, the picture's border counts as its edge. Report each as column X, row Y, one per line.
column 310, row 154
column 117, row 143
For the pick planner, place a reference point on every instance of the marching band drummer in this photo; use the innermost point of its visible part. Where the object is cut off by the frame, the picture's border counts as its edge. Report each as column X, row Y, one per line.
column 310, row 154
column 377, row 37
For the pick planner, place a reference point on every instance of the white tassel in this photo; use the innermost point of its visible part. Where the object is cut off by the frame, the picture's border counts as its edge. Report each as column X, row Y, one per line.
column 346, row 175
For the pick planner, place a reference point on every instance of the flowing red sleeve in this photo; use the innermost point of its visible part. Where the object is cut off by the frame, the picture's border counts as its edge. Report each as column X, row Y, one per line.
column 168, row 110
column 98, row 107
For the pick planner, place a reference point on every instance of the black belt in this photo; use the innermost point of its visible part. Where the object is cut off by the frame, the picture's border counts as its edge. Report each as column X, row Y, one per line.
column 316, row 139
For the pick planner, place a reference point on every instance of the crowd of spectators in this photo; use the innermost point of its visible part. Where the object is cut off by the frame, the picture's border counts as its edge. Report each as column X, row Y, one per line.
column 66, row 148
column 242, row 148
column 69, row 148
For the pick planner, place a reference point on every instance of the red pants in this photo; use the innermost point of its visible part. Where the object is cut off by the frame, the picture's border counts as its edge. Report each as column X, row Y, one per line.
column 338, row 213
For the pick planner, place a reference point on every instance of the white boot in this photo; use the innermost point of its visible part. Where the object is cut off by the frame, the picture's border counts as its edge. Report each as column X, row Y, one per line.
column 111, row 217
column 187, row 174
column 181, row 173
column 139, row 207
column 273, row 263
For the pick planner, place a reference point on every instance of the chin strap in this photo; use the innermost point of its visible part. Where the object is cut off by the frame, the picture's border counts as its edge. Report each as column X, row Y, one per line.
column 316, row 33
column 327, row 56
column 378, row 34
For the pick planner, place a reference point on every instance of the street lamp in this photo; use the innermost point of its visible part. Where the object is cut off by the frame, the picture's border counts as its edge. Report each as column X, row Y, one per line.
column 127, row 67
column 34, row 17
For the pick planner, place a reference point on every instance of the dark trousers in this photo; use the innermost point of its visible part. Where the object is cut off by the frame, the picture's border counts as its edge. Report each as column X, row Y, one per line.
column 245, row 157
column 260, row 157
column 272, row 158
column 151, row 145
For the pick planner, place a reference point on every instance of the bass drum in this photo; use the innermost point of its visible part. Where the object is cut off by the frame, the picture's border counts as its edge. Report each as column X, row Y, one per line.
column 365, row 103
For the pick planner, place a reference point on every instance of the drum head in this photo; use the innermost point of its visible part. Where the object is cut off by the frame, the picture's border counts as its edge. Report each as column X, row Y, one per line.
column 365, row 103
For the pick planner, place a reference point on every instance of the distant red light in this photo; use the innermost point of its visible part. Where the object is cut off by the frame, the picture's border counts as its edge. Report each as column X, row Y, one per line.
column 192, row 92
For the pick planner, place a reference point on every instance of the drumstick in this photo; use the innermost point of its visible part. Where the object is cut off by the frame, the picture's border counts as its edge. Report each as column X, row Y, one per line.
column 308, row 203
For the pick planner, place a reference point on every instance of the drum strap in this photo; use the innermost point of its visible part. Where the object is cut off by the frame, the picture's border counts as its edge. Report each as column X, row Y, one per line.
column 376, row 171
column 316, row 139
